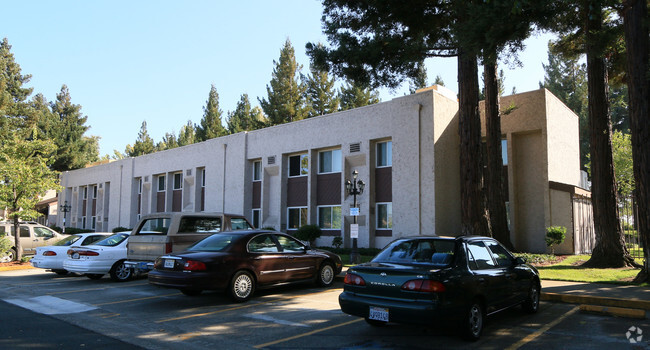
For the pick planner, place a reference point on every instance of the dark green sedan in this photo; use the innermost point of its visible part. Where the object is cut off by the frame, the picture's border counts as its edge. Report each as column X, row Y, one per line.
column 429, row 280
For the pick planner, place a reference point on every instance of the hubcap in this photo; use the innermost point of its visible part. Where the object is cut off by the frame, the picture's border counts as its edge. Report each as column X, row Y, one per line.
column 327, row 274
column 535, row 297
column 243, row 286
column 475, row 320
column 123, row 272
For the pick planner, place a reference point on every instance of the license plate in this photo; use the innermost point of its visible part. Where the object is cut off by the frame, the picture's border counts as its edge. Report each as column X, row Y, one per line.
column 378, row 313
column 169, row 263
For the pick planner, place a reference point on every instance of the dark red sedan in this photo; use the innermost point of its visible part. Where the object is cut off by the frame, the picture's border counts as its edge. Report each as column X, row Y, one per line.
column 239, row 262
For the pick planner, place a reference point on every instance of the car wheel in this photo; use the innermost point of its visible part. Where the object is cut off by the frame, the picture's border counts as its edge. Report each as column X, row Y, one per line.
column 375, row 323
column 191, row 292
column 120, row 272
column 242, row 286
column 94, row 276
column 531, row 305
column 325, row 276
column 9, row 256
column 60, row 272
column 473, row 323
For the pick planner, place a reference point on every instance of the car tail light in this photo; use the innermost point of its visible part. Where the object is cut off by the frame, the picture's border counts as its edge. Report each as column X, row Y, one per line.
column 83, row 252
column 193, row 265
column 168, row 247
column 424, row 286
column 354, row 280
column 49, row 253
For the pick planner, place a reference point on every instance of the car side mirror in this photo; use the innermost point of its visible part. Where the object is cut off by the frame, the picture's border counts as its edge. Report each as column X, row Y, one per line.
column 520, row 261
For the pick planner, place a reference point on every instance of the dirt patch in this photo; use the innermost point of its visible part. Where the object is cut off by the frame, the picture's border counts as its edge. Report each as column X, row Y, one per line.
column 15, row 265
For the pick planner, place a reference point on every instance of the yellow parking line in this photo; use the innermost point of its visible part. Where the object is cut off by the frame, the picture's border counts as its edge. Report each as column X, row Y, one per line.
column 240, row 307
column 137, row 299
column 306, row 334
column 542, row 330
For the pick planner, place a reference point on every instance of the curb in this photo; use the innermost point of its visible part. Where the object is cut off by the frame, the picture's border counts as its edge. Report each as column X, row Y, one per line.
column 614, row 311
column 600, row 301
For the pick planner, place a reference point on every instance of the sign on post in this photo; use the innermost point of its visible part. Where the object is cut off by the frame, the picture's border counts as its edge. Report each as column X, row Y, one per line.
column 354, row 211
column 354, row 230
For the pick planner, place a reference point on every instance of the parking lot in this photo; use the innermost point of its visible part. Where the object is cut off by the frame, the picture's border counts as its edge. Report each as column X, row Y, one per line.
column 291, row 317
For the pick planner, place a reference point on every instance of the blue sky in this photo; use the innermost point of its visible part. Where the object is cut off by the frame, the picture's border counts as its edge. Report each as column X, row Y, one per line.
column 129, row 61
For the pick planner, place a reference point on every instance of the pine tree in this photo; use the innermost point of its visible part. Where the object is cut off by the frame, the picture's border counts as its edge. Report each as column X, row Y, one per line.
column 143, row 144
column 420, row 80
column 321, row 95
column 187, row 134
column 210, row 125
column 285, row 102
column 169, row 141
column 14, row 109
column 354, row 95
column 245, row 118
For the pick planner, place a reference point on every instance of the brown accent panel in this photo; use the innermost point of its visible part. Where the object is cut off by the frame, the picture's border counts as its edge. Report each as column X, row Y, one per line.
column 328, row 189
column 297, row 191
column 257, row 194
column 384, row 233
column 177, row 199
column 94, row 207
column 384, row 184
column 84, row 204
column 160, row 202
column 202, row 198
column 330, row 233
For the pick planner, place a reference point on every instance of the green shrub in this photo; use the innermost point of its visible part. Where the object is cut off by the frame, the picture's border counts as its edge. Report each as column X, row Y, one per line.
column 308, row 233
column 120, row 229
column 268, row 228
column 56, row 228
column 555, row 235
column 25, row 259
column 5, row 245
column 337, row 242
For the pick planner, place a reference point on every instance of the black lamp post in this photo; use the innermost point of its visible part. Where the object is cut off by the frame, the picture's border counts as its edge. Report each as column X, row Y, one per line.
column 65, row 208
column 354, row 188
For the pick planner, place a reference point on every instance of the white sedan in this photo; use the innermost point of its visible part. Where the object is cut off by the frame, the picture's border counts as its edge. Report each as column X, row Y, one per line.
column 98, row 259
column 51, row 257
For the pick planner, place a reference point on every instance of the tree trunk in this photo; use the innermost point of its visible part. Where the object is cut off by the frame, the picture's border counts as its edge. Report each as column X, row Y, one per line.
column 610, row 250
column 474, row 216
column 636, row 41
column 494, row 185
column 16, row 229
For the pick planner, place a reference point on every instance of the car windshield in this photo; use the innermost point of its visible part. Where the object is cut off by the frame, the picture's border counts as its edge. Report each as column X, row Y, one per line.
column 112, row 241
column 68, row 240
column 215, row 243
column 432, row 251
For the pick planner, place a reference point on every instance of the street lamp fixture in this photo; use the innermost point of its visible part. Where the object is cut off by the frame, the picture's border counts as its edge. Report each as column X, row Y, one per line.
column 65, row 208
column 354, row 187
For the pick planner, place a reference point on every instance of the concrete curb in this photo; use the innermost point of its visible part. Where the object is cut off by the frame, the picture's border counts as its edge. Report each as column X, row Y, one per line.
column 614, row 311
column 600, row 301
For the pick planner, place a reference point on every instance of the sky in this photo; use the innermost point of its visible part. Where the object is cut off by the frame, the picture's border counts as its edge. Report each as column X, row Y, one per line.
column 126, row 62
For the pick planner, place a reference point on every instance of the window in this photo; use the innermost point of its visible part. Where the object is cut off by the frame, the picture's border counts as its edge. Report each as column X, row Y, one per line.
column 329, row 218
column 298, row 165
column 479, row 256
column 85, row 192
column 329, row 161
column 43, row 232
column 239, row 224
column 140, row 186
column 500, row 254
column 425, row 251
column 297, row 218
column 83, row 222
column 384, row 216
column 93, row 222
column 24, row 231
column 94, row 191
column 262, row 244
column 191, row 224
column 257, row 170
column 257, row 218
column 161, row 183
column 154, row 226
column 384, row 154
column 178, row 181
column 290, row 245
column 504, row 151
column 202, row 177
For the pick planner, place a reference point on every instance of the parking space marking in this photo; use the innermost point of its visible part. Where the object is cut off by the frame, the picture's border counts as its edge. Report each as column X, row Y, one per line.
column 92, row 289
column 137, row 299
column 306, row 334
column 50, row 305
column 529, row 338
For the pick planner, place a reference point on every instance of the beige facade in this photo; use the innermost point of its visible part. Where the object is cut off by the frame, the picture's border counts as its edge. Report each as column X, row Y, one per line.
column 251, row 172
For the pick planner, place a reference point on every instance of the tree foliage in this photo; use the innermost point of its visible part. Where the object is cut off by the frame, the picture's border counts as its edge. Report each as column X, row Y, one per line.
column 245, row 117
column 354, row 95
column 211, row 125
column 143, row 144
column 322, row 97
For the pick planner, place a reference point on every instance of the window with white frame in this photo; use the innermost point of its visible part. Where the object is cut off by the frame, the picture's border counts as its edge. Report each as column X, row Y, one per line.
column 202, row 177
column 329, row 161
column 329, row 217
column 94, row 191
column 384, row 154
column 178, row 181
column 297, row 217
column 384, row 216
column 257, row 218
column 161, row 183
column 257, row 170
column 93, row 222
column 140, row 186
column 298, row 165
column 85, row 192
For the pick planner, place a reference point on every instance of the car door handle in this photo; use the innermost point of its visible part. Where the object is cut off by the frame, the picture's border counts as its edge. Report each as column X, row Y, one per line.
column 290, row 257
column 482, row 280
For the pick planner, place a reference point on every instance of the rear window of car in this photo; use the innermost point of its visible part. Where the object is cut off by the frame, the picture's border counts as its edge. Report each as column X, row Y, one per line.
column 192, row 224
column 68, row 240
column 154, row 226
column 112, row 241
column 214, row 243
column 439, row 252
column 240, row 224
